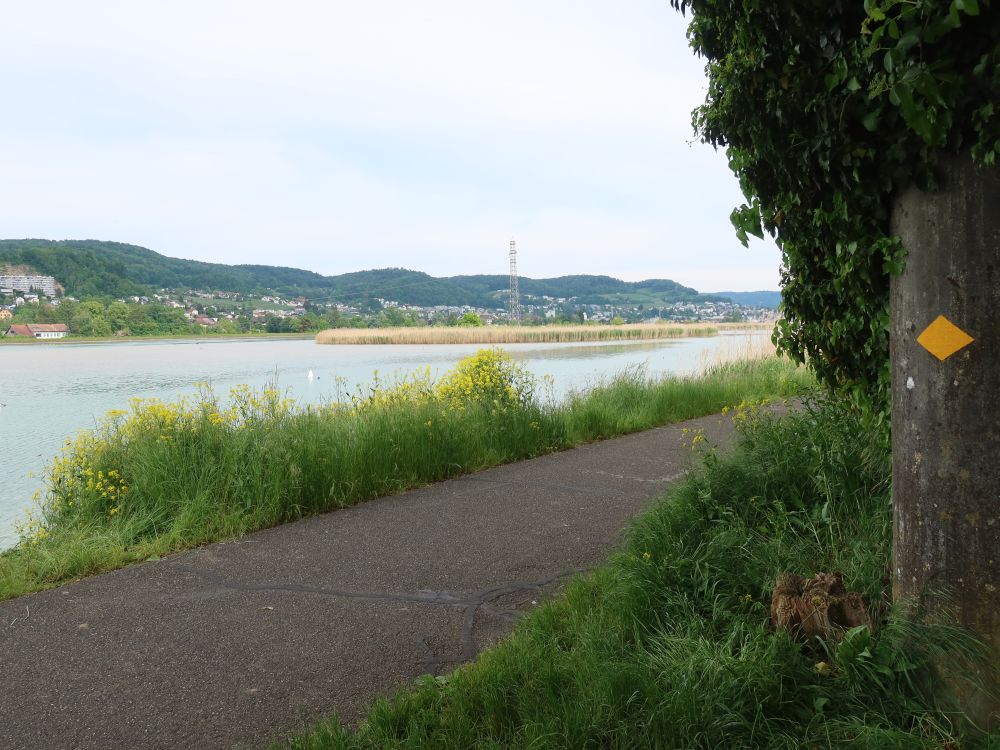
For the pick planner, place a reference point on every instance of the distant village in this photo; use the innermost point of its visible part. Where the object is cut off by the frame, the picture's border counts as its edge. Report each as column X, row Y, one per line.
column 30, row 307
column 544, row 309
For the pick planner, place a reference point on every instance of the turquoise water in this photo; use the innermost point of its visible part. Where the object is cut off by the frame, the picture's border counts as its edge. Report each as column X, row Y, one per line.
column 50, row 391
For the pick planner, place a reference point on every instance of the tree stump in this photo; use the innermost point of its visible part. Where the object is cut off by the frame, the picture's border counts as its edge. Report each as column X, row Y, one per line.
column 820, row 606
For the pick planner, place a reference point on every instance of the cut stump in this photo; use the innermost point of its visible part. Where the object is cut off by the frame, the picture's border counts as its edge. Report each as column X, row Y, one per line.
column 820, row 606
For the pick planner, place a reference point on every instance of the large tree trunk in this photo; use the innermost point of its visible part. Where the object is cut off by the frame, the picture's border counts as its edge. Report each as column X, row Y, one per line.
column 946, row 406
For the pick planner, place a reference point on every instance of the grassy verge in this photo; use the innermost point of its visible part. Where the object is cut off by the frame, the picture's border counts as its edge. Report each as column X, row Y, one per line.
column 668, row 645
column 164, row 477
column 514, row 334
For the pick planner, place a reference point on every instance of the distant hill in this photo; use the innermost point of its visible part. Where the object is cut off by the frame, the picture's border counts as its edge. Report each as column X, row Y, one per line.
column 92, row 268
column 589, row 289
column 769, row 300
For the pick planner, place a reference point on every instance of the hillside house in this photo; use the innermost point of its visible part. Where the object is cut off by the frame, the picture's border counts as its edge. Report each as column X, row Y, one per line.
column 39, row 330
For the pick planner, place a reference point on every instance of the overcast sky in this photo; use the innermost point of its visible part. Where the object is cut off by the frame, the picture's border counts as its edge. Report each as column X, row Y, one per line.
column 337, row 136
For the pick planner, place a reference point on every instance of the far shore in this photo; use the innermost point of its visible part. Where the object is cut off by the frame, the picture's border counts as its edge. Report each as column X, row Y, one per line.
column 187, row 337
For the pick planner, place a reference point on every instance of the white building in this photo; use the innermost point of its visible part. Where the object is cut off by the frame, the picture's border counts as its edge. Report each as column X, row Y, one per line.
column 25, row 283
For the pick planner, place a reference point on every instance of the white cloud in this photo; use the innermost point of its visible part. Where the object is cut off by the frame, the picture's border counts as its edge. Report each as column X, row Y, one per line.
column 336, row 136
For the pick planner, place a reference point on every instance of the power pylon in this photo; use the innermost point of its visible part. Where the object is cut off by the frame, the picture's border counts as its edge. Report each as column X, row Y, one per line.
column 514, row 301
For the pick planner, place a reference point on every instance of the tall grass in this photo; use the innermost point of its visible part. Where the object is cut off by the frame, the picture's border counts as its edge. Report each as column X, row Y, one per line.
column 512, row 334
column 163, row 477
column 668, row 645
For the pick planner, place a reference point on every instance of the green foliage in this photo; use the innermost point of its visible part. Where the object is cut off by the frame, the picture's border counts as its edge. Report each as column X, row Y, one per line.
column 85, row 269
column 826, row 111
column 163, row 477
column 669, row 645
column 470, row 319
column 117, row 314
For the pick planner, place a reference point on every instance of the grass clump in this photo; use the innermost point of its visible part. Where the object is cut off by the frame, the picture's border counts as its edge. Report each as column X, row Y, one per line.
column 668, row 645
column 163, row 477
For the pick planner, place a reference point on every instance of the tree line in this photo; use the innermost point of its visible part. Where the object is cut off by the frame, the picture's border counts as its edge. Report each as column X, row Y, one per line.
column 99, row 318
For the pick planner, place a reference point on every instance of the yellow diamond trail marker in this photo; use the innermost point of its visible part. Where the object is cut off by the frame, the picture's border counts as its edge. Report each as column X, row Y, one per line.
column 942, row 338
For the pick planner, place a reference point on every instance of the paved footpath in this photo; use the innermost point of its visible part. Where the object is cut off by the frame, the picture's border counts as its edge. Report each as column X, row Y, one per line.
column 239, row 642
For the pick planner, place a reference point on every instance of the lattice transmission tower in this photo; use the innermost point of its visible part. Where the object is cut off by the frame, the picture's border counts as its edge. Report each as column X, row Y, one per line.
column 514, row 302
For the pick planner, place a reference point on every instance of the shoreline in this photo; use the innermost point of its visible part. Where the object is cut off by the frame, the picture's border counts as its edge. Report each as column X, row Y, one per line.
column 424, row 334
column 5, row 341
column 403, row 436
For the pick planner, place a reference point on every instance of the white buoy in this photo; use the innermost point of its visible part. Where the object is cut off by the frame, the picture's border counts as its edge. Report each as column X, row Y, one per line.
column 311, row 376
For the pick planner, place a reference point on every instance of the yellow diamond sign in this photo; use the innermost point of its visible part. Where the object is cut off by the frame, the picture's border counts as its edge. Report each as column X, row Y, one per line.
column 942, row 338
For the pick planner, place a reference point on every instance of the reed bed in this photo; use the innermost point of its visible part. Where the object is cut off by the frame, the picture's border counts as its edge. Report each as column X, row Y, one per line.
column 512, row 334
column 737, row 349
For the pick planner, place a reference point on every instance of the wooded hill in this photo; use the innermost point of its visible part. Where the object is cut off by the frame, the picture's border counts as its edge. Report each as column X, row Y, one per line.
column 92, row 268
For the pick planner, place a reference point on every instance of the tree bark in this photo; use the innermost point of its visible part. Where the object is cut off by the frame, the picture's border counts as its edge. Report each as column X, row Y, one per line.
column 946, row 412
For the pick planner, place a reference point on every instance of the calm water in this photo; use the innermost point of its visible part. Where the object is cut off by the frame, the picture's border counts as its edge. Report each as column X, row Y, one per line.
column 50, row 391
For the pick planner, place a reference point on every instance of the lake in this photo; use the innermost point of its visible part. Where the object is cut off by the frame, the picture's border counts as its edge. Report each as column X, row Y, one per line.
column 50, row 391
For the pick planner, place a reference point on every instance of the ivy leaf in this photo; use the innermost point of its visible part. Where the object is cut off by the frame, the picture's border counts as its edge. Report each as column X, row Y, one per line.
column 746, row 219
column 893, row 265
column 970, row 7
column 870, row 121
column 908, row 40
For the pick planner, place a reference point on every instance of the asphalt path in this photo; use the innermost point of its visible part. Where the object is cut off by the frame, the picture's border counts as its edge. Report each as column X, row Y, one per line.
column 240, row 642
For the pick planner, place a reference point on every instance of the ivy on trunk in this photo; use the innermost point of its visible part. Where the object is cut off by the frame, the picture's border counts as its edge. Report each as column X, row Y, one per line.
column 826, row 110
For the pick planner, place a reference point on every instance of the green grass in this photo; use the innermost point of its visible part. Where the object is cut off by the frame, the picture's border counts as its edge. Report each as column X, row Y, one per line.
column 169, row 477
column 668, row 645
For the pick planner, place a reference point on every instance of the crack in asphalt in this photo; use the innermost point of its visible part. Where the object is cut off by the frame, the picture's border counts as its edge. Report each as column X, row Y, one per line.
column 471, row 602
column 587, row 489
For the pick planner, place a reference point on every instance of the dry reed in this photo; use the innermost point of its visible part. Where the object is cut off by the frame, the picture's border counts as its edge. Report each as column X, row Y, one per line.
column 512, row 334
column 737, row 349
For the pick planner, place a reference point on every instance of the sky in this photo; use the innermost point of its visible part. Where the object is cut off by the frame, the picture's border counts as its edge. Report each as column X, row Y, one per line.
column 338, row 136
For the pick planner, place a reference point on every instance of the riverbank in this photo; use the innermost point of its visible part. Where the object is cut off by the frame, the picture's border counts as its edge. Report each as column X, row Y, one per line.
column 166, row 477
column 519, row 334
column 669, row 644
